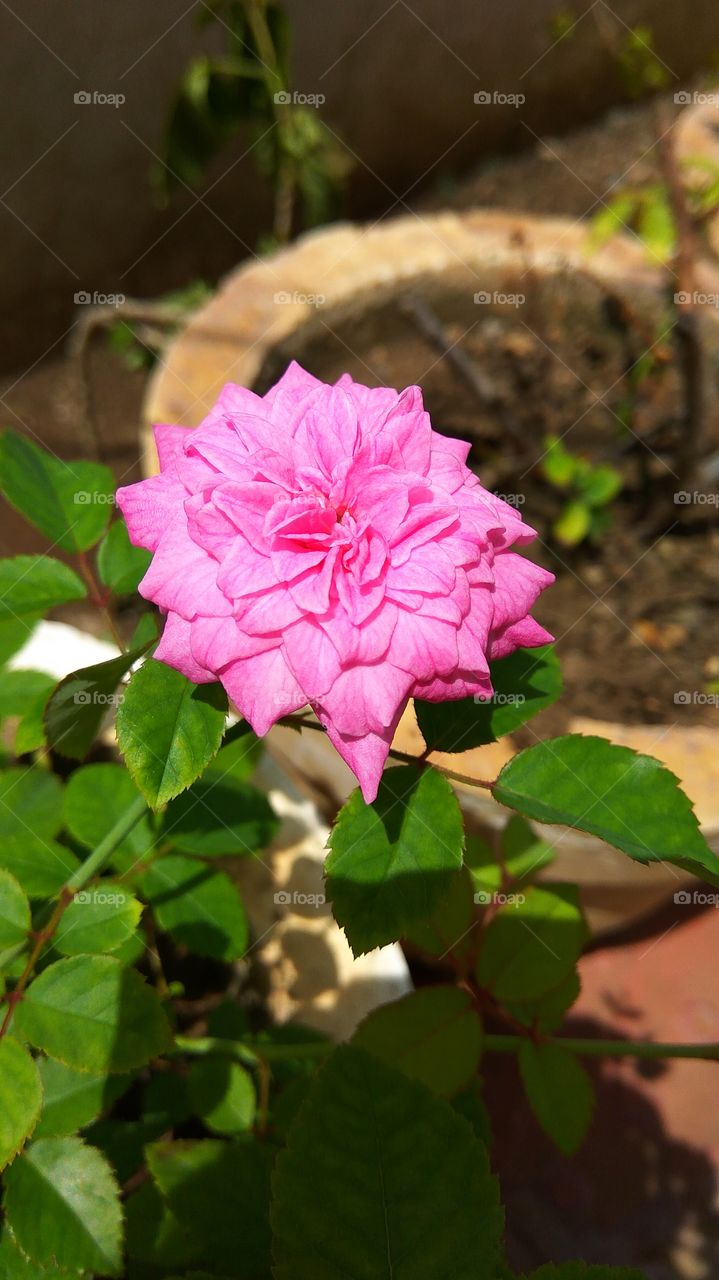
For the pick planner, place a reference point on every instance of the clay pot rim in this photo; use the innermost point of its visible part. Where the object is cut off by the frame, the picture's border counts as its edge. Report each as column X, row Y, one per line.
column 363, row 260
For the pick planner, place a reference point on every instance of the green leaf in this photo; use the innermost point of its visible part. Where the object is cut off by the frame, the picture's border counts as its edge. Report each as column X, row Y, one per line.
column 630, row 800
column 524, row 853
column 219, row 1191
column 560, row 1092
column 30, row 733
column 392, row 861
column 615, row 216
column 30, row 802
column 219, row 815
column 558, row 465
column 656, row 225
column 547, row 1012
column 96, row 797
column 70, row 502
column 94, row 1015
column 374, row 1163
column 39, row 864
column 199, row 906
column 20, row 687
column 146, row 632
column 532, row 943
column 524, row 683
column 14, row 633
column 239, row 754
column 154, row 1234
column 20, row 1098
column 73, row 1099
column 100, row 918
column 80, row 703
column 63, row 1205
column 123, row 1142
column 573, row 523
column 36, row 584
column 433, row 1035
column 14, row 1265
column 449, row 929
column 222, row 1094
column 14, row 912
column 119, row 564
column 482, row 863
column 601, row 485
column 168, row 730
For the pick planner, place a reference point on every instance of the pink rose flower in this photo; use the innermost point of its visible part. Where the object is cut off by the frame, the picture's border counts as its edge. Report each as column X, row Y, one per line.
column 323, row 545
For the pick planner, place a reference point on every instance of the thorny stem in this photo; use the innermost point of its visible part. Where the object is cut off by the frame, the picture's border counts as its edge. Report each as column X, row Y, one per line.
column 254, row 1055
column 93, row 864
column 301, row 722
column 99, row 599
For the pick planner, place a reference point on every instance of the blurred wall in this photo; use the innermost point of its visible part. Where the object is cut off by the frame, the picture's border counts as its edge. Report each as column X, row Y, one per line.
column 399, row 78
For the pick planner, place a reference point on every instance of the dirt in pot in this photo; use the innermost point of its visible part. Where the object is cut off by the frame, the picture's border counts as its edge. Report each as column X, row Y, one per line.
column 511, row 362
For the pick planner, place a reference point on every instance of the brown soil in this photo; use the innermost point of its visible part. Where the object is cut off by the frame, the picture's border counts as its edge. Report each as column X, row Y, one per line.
column 635, row 614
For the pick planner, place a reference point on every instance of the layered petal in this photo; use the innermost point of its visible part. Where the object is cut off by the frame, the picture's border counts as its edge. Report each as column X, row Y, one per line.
column 324, row 545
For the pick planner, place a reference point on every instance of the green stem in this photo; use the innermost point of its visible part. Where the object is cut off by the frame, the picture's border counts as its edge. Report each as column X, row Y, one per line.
column 608, row 1048
column 96, row 597
column 285, row 181
column 252, row 1056
column 100, row 856
column 93, row 864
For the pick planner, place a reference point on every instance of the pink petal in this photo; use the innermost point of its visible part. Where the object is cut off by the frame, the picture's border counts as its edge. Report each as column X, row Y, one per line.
column 366, row 699
column 365, row 756
column 525, row 634
column 182, row 578
column 148, row 507
column 424, row 647
column 170, row 445
column 244, row 571
column 175, row 648
column 312, row 658
column 216, row 642
column 518, row 584
column 263, row 689
column 295, row 383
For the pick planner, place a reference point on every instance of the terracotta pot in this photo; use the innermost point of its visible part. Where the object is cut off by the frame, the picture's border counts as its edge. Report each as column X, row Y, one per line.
column 263, row 314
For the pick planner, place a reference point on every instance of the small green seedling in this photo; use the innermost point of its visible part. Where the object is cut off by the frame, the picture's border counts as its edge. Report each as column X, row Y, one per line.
column 589, row 488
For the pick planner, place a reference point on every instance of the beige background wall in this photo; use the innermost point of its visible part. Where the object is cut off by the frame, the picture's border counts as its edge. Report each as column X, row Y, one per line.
column 399, row 78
